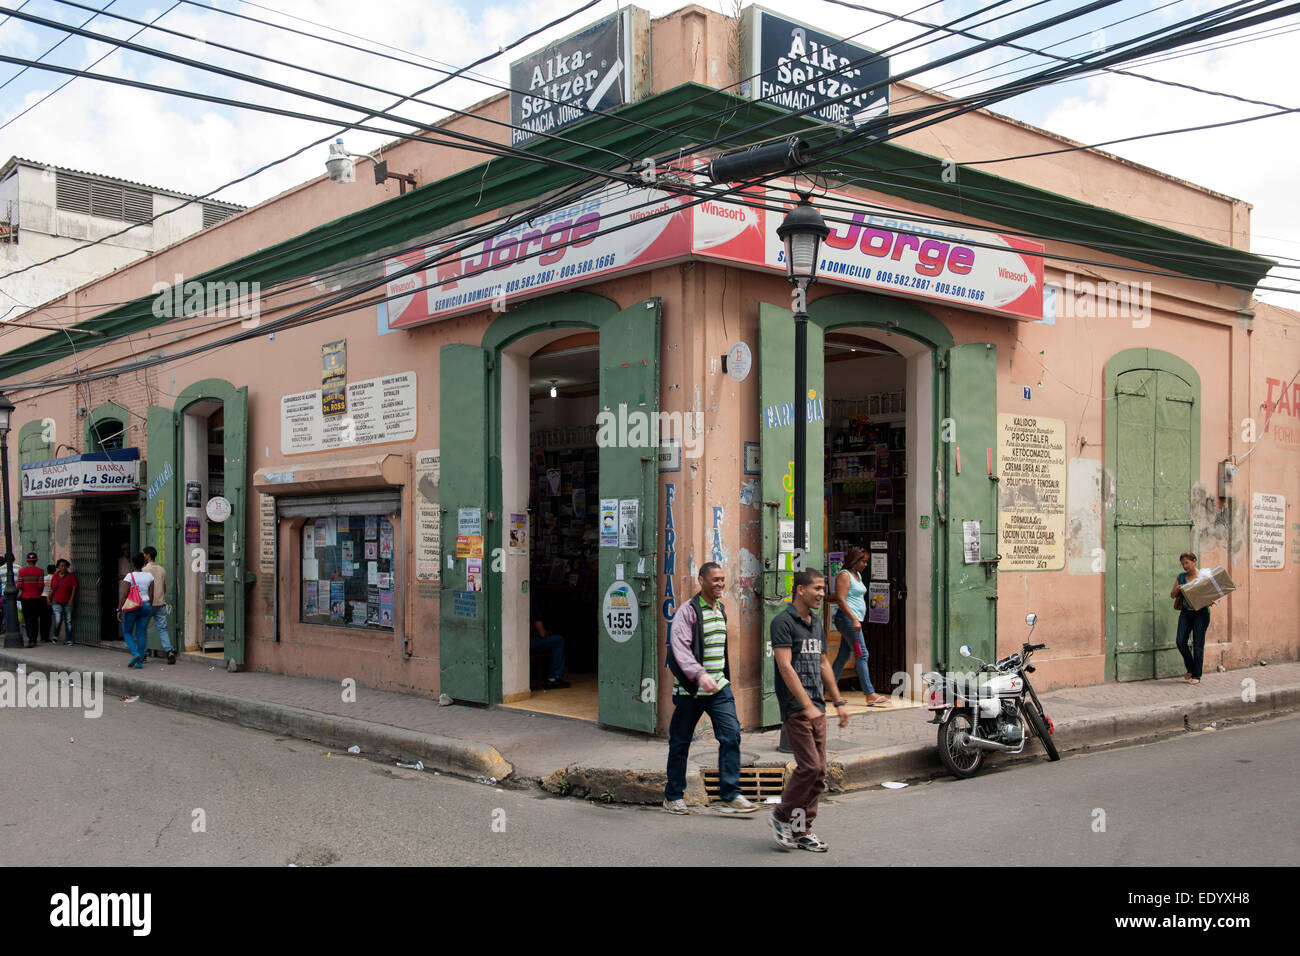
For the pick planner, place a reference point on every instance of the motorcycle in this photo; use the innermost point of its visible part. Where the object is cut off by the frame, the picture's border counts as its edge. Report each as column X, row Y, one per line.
column 988, row 710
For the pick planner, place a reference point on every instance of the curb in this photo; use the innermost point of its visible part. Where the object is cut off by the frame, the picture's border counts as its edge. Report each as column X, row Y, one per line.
column 445, row 754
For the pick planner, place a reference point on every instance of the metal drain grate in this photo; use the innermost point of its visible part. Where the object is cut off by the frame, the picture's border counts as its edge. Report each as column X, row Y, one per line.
column 757, row 783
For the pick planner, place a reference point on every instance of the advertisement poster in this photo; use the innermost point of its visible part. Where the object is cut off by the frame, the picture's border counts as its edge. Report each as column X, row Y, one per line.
column 879, row 566
column 878, row 603
column 372, row 527
column 1031, row 455
column 320, row 533
column 308, row 598
column 386, row 542
column 609, row 522
column 336, row 601
column 518, row 541
column 469, row 521
column 372, row 573
column 333, row 378
column 192, row 531
column 372, row 550
column 428, row 519
column 474, row 574
column 358, row 612
column 629, row 524
column 193, row 494
column 347, row 551
column 386, row 609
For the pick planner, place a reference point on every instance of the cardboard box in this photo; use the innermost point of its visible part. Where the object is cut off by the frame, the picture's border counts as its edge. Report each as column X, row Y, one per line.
column 1201, row 593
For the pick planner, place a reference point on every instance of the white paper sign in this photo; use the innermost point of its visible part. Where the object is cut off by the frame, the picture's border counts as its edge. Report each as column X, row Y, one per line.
column 428, row 520
column 1268, row 532
column 879, row 565
column 629, row 524
column 787, row 535
column 379, row 410
column 970, row 541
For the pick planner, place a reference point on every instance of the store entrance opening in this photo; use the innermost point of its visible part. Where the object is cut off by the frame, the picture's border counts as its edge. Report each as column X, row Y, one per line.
column 556, row 639
column 872, row 460
column 203, row 544
column 116, row 546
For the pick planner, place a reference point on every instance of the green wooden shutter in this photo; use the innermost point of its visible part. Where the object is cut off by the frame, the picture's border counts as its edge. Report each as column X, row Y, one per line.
column 776, row 451
column 1155, row 415
column 35, row 516
column 236, row 477
column 629, row 391
column 462, row 632
column 971, row 589
column 160, row 514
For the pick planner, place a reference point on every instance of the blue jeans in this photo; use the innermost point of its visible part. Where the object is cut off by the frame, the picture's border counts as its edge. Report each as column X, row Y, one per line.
column 554, row 644
column 160, row 622
column 850, row 637
column 61, row 613
column 721, row 708
column 135, row 628
column 1196, row 623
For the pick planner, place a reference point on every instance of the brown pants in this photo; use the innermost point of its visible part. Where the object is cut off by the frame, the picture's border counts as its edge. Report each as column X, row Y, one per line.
column 807, row 740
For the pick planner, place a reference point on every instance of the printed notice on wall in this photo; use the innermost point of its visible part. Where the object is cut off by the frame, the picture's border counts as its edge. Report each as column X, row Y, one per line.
column 428, row 521
column 1268, row 532
column 266, row 542
column 378, row 410
column 1031, row 493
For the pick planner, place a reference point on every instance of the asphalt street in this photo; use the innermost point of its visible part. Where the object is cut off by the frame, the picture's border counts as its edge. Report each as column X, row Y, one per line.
column 146, row 786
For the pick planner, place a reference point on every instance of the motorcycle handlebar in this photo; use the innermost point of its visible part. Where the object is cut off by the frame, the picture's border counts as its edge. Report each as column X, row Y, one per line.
column 1035, row 647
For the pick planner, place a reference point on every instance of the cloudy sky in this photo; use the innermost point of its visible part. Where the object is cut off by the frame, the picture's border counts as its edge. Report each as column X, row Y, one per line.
column 166, row 140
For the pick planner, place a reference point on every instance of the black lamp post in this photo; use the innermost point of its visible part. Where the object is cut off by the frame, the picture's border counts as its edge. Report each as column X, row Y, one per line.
column 12, row 637
column 802, row 232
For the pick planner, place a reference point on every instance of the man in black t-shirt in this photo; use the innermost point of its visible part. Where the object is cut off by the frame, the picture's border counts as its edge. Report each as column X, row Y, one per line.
column 803, row 675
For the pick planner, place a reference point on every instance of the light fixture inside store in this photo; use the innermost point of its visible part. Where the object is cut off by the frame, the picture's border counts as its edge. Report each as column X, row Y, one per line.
column 554, row 392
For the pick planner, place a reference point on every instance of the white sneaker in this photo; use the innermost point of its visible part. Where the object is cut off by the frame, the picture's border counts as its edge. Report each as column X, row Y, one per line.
column 741, row 804
column 782, row 833
column 675, row 806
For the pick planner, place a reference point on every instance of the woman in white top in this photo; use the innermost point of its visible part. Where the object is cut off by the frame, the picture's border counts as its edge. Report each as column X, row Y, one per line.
column 135, row 622
column 850, row 596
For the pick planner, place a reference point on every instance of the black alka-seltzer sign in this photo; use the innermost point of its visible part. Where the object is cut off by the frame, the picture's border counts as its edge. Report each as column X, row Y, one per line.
column 599, row 68
column 793, row 66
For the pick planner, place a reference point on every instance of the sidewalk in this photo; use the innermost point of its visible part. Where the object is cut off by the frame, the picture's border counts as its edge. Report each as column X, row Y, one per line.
column 582, row 759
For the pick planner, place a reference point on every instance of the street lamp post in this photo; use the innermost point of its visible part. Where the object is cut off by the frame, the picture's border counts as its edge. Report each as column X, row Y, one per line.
column 802, row 232
column 12, row 637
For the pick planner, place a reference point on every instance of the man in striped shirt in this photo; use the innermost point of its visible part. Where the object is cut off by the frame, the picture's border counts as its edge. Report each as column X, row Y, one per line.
column 697, row 656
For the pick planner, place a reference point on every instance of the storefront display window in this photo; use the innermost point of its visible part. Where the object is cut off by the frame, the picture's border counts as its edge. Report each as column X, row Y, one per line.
column 348, row 577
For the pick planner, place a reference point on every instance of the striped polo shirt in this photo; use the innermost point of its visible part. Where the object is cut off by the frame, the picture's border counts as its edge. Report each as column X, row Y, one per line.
column 715, row 648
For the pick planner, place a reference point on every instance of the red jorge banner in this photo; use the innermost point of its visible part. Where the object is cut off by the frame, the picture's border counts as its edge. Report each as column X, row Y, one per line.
column 622, row 230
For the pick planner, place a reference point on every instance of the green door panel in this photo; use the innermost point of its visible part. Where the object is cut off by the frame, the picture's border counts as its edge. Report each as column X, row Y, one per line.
column 236, row 477
column 972, row 589
column 160, row 514
column 462, row 620
column 629, row 388
column 35, row 516
column 776, row 451
column 1156, row 421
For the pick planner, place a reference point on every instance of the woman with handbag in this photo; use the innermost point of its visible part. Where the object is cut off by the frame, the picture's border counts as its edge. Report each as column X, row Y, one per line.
column 850, row 596
column 135, row 609
column 1191, row 623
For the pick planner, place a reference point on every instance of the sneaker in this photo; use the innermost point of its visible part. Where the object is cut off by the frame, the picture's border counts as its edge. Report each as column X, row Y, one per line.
column 675, row 806
column 782, row 833
column 739, row 804
column 171, row 657
column 67, row 643
column 811, row 842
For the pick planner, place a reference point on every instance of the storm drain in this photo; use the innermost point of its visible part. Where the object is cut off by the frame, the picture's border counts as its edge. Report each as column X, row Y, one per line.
column 757, row 783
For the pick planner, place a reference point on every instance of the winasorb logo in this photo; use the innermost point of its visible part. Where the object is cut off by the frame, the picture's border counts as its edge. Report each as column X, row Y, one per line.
column 77, row 909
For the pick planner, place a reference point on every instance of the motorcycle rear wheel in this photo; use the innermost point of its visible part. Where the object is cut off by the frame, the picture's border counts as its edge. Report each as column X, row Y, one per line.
column 1039, row 725
column 961, row 762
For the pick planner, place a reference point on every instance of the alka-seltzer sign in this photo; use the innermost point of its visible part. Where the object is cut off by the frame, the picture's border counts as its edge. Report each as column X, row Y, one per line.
column 94, row 473
column 568, row 80
column 796, row 68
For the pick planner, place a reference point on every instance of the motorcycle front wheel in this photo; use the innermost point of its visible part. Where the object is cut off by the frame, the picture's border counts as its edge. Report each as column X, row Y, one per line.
column 1039, row 725
column 961, row 761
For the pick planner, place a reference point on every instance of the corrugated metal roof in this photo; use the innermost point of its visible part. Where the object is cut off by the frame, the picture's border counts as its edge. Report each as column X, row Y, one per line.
column 21, row 161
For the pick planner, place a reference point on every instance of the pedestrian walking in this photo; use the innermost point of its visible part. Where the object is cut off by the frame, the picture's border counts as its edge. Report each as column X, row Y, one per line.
column 160, row 602
column 803, row 677
column 134, row 609
column 47, row 610
column 1191, row 623
column 31, row 584
column 63, row 591
column 697, row 656
column 851, row 610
